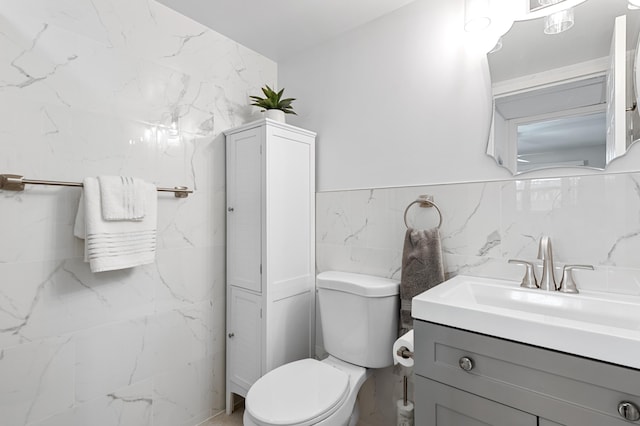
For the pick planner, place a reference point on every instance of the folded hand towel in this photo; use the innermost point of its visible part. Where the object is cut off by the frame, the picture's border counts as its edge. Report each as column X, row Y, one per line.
column 422, row 269
column 113, row 245
column 121, row 197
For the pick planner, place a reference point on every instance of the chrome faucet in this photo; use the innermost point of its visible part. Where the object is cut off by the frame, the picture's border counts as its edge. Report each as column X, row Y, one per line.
column 548, row 279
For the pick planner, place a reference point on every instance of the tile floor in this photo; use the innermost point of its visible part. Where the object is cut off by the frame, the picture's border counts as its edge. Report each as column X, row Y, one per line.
column 223, row 420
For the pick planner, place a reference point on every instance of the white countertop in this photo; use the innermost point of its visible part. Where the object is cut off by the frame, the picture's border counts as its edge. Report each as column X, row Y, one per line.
column 602, row 326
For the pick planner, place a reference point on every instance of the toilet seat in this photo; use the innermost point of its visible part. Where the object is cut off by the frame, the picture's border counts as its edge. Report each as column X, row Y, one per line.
column 300, row 393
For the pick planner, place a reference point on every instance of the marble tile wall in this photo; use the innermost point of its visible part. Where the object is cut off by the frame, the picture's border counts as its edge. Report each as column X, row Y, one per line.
column 591, row 219
column 90, row 87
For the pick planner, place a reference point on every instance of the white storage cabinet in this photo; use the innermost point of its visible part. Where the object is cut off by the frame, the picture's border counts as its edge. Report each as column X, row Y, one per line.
column 270, row 250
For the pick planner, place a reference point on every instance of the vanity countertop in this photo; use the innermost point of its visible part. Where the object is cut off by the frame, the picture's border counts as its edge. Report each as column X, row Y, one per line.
column 601, row 326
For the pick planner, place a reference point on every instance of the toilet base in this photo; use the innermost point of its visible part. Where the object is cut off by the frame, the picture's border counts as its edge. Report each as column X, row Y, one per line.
column 355, row 415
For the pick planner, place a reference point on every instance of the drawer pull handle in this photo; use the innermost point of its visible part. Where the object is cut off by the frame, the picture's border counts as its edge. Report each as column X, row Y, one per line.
column 629, row 411
column 466, row 363
column 231, row 335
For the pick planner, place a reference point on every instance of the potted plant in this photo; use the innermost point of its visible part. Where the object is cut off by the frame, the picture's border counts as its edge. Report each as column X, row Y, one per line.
column 273, row 104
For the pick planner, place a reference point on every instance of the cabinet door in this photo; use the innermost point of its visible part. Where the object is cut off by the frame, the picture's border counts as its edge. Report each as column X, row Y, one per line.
column 245, row 338
column 290, row 213
column 442, row 405
column 244, row 207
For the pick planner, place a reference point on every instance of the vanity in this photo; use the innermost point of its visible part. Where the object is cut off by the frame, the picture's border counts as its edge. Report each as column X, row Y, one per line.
column 490, row 352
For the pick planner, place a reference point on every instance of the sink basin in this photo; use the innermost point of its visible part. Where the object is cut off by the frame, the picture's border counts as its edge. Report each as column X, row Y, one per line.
column 596, row 325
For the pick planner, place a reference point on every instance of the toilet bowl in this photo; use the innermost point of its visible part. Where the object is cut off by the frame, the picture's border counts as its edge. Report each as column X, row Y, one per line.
column 306, row 392
column 359, row 317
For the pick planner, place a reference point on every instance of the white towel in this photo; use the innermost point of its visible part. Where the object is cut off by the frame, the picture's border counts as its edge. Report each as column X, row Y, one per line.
column 113, row 245
column 121, row 197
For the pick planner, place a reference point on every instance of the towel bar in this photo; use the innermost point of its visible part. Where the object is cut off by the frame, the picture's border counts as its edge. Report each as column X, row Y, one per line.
column 424, row 201
column 17, row 183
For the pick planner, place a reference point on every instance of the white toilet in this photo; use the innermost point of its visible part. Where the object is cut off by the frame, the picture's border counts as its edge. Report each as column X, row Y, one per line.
column 359, row 316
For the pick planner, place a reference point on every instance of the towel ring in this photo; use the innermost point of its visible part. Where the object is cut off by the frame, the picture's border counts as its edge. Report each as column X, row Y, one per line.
column 424, row 202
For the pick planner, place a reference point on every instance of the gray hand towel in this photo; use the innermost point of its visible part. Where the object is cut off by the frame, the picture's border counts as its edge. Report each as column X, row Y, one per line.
column 422, row 269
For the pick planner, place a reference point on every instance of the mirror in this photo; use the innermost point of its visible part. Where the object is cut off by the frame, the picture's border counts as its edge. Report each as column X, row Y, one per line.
column 562, row 99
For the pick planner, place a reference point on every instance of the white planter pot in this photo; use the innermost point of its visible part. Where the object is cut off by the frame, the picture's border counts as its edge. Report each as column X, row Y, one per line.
column 275, row 115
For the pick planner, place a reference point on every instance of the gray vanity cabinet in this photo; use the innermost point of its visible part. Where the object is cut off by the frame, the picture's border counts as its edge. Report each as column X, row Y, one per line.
column 464, row 378
column 441, row 405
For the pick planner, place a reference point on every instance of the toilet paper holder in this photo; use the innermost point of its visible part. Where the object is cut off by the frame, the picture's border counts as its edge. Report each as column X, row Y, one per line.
column 404, row 352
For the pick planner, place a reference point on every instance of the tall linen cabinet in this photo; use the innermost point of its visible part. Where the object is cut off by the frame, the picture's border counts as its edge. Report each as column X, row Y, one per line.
column 270, row 250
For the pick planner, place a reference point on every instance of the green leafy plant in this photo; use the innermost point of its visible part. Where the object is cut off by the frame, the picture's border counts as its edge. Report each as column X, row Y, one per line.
column 273, row 100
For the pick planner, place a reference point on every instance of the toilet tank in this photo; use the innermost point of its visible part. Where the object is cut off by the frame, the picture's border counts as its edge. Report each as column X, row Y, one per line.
column 359, row 317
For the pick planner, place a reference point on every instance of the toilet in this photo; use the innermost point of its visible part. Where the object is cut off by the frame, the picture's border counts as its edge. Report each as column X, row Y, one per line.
column 359, row 317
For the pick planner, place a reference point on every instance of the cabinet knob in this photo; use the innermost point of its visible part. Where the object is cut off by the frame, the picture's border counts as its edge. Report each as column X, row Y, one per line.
column 629, row 411
column 230, row 209
column 231, row 335
column 466, row 363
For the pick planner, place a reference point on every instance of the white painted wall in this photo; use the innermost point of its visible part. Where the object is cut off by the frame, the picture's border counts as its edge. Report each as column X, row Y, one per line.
column 404, row 100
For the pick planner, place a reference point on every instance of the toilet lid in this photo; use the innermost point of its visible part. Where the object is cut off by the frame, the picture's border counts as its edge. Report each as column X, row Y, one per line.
column 299, row 393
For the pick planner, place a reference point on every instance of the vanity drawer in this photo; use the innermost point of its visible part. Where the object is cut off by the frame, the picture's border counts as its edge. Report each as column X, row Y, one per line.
column 568, row 389
column 442, row 405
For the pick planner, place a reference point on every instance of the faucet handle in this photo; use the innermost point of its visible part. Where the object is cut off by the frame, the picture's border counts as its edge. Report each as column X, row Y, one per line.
column 568, row 284
column 529, row 278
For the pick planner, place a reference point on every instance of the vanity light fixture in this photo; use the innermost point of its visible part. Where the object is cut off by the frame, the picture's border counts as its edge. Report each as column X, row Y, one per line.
column 559, row 21
column 476, row 15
